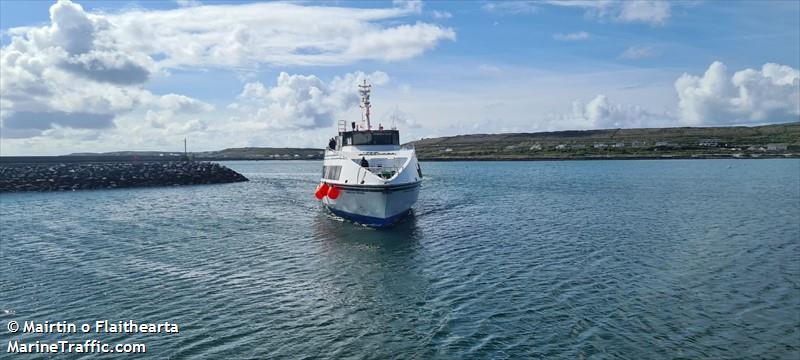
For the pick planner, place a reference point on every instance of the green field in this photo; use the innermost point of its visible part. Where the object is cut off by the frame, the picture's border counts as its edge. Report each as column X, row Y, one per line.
column 738, row 141
column 686, row 142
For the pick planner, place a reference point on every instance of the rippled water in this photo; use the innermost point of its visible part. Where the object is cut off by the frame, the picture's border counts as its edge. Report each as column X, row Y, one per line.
column 583, row 259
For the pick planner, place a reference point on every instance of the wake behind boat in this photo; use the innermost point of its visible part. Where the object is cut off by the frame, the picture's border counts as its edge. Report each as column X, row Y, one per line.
column 367, row 176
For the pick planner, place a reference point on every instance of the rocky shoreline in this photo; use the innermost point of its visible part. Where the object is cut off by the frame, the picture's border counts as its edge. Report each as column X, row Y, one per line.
column 83, row 176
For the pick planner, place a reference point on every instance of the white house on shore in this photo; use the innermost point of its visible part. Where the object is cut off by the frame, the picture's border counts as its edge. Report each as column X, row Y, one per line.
column 708, row 142
column 776, row 147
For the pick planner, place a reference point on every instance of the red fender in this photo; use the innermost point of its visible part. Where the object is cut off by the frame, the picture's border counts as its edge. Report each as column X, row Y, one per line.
column 334, row 192
column 322, row 190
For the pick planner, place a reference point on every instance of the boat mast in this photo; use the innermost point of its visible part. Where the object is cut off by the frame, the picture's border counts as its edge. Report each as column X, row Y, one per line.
column 364, row 90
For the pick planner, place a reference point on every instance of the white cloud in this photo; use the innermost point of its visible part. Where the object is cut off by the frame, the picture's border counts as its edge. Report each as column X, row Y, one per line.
column 414, row 6
column 749, row 96
column 276, row 34
column 489, row 69
column 301, row 101
column 647, row 11
column 398, row 43
column 442, row 14
column 180, row 103
column 511, row 7
column 188, row 3
column 601, row 113
column 581, row 35
column 85, row 70
column 69, row 74
column 653, row 12
column 639, row 52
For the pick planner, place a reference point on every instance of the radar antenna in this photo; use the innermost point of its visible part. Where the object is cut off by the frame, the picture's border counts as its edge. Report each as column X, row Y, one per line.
column 364, row 90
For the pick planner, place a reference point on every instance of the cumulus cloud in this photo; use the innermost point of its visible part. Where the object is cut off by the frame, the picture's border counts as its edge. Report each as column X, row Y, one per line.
column 301, row 101
column 108, row 66
column 581, row 35
column 64, row 75
column 71, row 27
column 768, row 95
column 638, row 52
column 89, row 53
column 653, row 12
column 771, row 94
column 601, row 113
column 84, row 70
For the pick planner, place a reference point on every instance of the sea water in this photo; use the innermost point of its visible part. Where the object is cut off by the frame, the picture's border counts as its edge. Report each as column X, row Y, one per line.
column 571, row 259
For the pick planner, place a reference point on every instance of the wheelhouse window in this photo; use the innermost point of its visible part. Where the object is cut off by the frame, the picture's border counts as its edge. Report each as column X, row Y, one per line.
column 379, row 137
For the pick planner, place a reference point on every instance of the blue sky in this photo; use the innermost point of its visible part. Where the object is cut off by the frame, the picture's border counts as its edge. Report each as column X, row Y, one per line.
column 115, row 75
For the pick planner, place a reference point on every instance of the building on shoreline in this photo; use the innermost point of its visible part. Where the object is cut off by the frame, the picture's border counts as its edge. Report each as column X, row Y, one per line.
column 708, row 142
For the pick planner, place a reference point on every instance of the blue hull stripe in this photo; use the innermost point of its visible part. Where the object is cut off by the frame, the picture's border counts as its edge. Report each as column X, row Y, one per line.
column 381, row 188
column 368, row 220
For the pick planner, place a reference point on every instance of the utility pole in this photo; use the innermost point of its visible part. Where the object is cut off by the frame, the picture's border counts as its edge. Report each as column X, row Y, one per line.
column 185, row 153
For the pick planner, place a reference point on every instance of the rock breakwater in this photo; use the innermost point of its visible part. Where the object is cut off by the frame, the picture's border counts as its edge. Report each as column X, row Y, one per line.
column 78, row 176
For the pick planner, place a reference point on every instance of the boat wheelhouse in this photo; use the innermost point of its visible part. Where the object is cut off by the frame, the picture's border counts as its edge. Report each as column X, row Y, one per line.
column 367, row 176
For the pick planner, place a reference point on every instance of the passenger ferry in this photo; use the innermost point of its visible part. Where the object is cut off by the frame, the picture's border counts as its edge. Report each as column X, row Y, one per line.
column 367, row 176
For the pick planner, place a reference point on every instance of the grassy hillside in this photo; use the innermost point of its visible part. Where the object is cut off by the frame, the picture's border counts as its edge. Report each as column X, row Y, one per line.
column 740, row 141
column 256, row 153
column 682, row 142
column 248, row 153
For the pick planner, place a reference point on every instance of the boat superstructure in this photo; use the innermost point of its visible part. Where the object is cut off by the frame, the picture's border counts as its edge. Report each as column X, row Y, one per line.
column 367, row 176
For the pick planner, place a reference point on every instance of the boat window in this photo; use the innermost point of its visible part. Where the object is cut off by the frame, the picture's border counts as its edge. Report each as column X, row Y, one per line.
column 331, row 172
column 381, row 137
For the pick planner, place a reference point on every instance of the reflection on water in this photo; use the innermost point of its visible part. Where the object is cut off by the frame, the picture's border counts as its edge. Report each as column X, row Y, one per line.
column 328, row 225
column 633, row 259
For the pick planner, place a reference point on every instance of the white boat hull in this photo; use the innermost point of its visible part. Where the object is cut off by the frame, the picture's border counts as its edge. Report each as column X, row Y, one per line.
column 374, row 206
column 367, row 176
